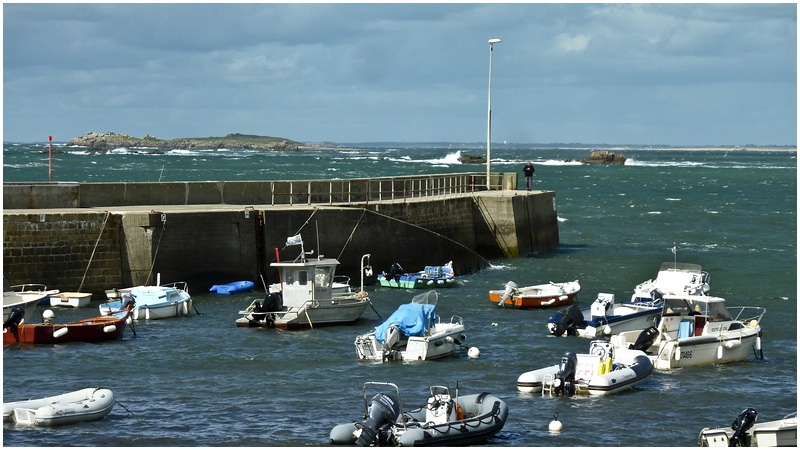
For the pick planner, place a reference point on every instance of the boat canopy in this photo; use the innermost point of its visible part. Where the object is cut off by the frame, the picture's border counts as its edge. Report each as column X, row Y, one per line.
column 412, row 319
column 713, row 307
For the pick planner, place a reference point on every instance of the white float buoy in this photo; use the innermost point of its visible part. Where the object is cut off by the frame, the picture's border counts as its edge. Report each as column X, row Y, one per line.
column 109, row 328
column 607, row 330
column 555, row 425
column 473, row 352
column 60, row 332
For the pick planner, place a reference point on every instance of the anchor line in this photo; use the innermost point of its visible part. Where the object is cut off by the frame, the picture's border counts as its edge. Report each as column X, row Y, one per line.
column 155, row 255
column 130, row 413
column 105, row 220
column 485, row 261
column 303, row 225
column 350, row 238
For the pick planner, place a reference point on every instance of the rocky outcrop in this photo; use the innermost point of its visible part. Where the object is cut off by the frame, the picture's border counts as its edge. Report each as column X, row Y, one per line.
column 103, row 142
column 604, row 157
column 470, row 159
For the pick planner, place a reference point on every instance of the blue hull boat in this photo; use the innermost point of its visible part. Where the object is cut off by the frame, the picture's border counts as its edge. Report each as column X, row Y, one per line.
column 232, row 288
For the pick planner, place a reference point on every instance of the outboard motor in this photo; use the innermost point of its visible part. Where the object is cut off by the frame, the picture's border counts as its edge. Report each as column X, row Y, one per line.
column 391, row 338
column 564, row 382
column 645, row 339
column 566, row 321
column 396, row 271
column 127, row 299
column 15, row 317
column 740, row 425
column 272, row 302
column 511, row 288
column 656, row 295
column 383, row 411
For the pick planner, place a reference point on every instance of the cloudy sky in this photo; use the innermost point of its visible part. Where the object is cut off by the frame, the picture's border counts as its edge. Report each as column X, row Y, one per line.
column 670, row 74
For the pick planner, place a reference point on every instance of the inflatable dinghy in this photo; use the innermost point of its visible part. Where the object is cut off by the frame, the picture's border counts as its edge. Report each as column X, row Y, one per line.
column 78, row 406
column 443, row 421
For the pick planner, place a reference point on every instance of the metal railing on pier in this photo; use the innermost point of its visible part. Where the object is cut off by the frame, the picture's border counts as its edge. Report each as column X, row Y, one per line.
column 366, row 190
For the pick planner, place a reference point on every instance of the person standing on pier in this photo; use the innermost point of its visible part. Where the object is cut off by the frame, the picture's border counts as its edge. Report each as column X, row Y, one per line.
column 528, row 169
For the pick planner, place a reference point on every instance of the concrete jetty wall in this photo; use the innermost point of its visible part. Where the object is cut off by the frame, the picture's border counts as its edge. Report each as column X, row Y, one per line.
column 86, row 244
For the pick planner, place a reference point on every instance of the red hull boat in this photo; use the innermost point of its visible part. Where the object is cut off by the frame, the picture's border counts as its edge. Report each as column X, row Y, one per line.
column 86, row 330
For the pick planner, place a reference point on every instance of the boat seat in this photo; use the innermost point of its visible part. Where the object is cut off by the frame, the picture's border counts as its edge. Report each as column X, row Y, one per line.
column 686, row 328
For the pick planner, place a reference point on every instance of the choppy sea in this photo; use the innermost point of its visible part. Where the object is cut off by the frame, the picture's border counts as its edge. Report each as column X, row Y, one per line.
column 200, row 381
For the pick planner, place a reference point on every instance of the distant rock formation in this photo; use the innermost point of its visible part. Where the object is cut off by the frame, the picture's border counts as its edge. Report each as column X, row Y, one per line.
column 102, row 142
column 604, row 157
column 470, row 159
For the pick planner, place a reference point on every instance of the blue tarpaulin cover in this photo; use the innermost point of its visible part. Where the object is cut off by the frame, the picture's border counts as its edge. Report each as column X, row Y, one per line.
column 413, row 319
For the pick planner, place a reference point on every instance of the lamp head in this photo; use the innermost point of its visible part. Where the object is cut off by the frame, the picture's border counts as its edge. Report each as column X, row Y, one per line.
column 494, row 41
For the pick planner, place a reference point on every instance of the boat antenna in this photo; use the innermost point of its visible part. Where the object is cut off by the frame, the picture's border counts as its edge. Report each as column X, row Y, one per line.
column 675, row 256
column 316, row 224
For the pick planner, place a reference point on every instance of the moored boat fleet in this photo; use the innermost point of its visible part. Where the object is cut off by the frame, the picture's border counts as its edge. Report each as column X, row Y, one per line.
column 670, row 322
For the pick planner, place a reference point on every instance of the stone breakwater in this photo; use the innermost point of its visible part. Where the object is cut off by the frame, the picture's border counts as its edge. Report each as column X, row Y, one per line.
column 103, row 142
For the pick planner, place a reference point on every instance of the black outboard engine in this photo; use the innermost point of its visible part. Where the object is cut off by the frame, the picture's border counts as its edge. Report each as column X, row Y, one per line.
column 396, row 271
column 566, row 321
column 15, row 317
column 564, row 382
column 273, row 302
column 127, row 299
column 383, row 411
column 740, row 425
column 656, row 295
column 645, row 339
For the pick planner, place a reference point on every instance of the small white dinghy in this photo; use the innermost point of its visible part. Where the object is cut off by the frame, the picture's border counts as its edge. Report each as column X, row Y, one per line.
column 602, row 371
column 78, row 406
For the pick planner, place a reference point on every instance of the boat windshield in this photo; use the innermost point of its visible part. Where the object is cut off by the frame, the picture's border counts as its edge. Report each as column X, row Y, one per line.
column 715, row 310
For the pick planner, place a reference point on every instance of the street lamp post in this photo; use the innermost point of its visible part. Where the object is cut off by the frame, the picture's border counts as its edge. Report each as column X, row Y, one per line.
column 489, row 118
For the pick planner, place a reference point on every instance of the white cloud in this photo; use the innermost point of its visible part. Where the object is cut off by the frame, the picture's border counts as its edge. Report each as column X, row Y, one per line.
column 572, row 44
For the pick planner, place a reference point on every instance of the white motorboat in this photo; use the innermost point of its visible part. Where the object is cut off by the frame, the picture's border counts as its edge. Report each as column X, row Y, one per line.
column 674, row 278
column 35, row 288
column 27, row 300
column 412, row 333
column 154, row 302
column 70, row 299
column 78, row 406
column 745, row 431
column 604, row 317
column 602, row 371
column 306, row 296
column 698, row 330
column 443, row 421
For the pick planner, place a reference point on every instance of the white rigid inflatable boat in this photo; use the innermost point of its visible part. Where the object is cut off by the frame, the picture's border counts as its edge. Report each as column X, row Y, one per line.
column 443, row 421
column 602, row 371
column 78, row 406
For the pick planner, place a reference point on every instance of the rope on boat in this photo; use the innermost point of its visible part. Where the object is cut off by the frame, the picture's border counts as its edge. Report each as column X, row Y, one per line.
column 350, row 238
column 488, row 264
column 155, row 255
column 520, row 422
column 130, row 413
column 94, row 250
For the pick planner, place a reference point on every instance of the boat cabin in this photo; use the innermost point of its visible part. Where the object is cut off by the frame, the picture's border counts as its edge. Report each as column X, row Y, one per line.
column 686, row 316
column 308, row 280
column 690, row 276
